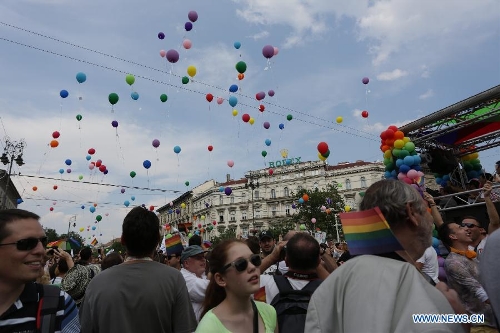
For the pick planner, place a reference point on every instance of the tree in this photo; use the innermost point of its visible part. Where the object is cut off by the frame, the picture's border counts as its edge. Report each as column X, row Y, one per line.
column 51, row 234
column 118, row 247
column 279, row 227
column 329, row 199
column 228, row 233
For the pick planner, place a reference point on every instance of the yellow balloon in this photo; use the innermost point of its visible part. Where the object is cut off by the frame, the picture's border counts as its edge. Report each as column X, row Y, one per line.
column 339, row 119
column 235, row 113
column 321, row 157
column 347, row 208
column 406, row 139
column 183, row 205
column 191, row 70
column 203, row 217
column 399, row 144
column 388, row 153
column 81, row 229
column 251, row 121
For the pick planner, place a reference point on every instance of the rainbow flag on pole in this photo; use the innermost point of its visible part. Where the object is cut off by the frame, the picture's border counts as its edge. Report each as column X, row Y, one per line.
column 94, row 242
column 368, row 232
column 173, row 244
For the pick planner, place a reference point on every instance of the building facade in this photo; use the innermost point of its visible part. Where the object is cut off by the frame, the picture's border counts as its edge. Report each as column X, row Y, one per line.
column 263, row 196
column 9, row 195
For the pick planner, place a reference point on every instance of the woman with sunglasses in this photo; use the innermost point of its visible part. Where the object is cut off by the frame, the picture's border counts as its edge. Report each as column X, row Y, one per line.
column 228, row 305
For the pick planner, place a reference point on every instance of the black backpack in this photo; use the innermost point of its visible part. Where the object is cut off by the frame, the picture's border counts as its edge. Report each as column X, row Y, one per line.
column 291, row 305
column 47, row 308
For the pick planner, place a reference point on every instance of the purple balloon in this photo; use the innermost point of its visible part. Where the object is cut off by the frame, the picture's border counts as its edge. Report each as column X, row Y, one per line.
column 122, row 190
column 105, row 172
column 260, row 95
column 161, row 35
column 228, row 191
column 172, row 56
column 365, row 80
column 68, row 170
column 267, row 125
column 192, row 16
column 271, row 93
column 268, row 51
column 156, row 143
column 114, row 123
column 188, row 26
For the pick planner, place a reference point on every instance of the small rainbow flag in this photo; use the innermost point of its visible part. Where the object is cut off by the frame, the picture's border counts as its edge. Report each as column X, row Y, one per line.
column 260, row 295
column 94, row 242
column 174, row 244
column 368, row 232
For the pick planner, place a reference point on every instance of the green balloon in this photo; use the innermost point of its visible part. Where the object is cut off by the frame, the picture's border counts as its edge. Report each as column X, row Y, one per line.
column 264, row 153
column 130, row 79
column 289, row 117
column 185, row 80
column 79, row 117
column 190, row 235
column 132, row 174
column 302, row 227
column 325, row 155
column 80, row 177
column 169, row 236
column 113, row 98
column 186, row 183
column 163, row 98
column 98, row 218
column 410, row 146
column 241, row 67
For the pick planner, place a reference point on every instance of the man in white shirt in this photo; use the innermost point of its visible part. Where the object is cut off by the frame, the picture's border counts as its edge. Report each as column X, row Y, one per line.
column 193, row 269
column 428, row 264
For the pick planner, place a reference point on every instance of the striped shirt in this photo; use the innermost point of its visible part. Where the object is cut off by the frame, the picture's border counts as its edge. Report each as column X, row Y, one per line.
column 21, row 317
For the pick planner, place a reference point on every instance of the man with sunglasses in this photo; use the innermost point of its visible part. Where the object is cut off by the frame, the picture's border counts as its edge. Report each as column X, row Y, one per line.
column 174, row 260
column 193, row 269
column 22, row 251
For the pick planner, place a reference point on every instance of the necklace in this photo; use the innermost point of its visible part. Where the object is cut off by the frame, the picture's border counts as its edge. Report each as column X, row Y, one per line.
column 130, row 258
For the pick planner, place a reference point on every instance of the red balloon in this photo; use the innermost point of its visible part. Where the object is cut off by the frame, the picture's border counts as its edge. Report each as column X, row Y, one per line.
column 199, row 225
column 151, row 208
column 55, row 187
column 322, row 148
column 51, row 209
column 364, row 114
column 56, row 134
column 210, row 148
column 271, row 171
column 392, row 127
column 98, row 163
column 102, row 168
column 91, row 151
column 209, row 97
column 214, row 222
column 262, row 108
column 246, row 117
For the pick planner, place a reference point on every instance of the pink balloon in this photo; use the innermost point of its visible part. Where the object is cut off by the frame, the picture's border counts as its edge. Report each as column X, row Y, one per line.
column 163, row 53
column 407, row 180
column 412, row 174
column 313, row 220
column 401, row 176
column 230, row 163
column 91, row 166
column 276, row 50
column 187, row 44
column 220, row 100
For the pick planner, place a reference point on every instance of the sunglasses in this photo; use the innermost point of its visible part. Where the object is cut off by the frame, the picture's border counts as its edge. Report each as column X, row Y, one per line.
column 171, row 256
column 470, row 225
column 28, row 244
column 242, row 263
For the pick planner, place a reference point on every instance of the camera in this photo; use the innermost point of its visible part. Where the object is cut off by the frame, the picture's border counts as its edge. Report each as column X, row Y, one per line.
column 283, row 253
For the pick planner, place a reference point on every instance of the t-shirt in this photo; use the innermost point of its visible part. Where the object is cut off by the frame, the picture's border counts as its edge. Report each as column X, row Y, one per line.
column 431, row 265
column 490, row 271
column 211, row 324
column 138, row 297
column 271, row 289
column 196, row 288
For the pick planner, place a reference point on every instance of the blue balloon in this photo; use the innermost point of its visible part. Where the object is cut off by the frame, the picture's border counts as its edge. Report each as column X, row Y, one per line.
column 146, row 164
column 399, row 162
column 237, row 45
column 221, row 189
column 170, row 211
column 83, row 207
column 233, row 101
column 126, row 203
column 435, row 242
column 63, row 93
column 267, row 142
column 233, row 88
column 88, row 157
column 134, row 95
column 19, row 201
column 188, row 26
column 106, row 171
column 61, row 171
column 197, row 232
column 132, row 198
column 387, row 174
column 417, row 159
column 394, row 174
column 408, row 160
column 81, row 77
column 92, row 209
column 93, row 228
column 446, row 177
column 417, row 167
column 68, row 162
column 288, row 161
column 177, row 149
column 301, row 201
column 281, row 126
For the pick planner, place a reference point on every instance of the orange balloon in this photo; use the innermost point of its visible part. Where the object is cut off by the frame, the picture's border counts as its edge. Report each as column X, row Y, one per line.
column 35, row 188
column 399, row 135
column 328, row 210
column 54, row 143
column 95, row 205
column 305, row 197
column 241, row 76
column 195, row 217
column 202, row 230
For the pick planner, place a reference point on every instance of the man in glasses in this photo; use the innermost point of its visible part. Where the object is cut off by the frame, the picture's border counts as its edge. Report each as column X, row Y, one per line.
column 193, row 269
column 22, row 250
column 174, row 260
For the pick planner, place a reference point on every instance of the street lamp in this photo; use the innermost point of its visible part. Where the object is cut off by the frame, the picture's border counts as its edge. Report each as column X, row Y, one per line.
column 13, row 152
column 253, row 185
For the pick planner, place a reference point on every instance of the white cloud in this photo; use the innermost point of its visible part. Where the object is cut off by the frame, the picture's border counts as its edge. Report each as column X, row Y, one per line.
column 425, row 72
column 428, row 94
column 260, row 35
column 391, row 76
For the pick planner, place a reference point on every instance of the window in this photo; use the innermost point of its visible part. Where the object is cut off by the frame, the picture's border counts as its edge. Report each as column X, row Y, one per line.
column 315, row 185
column 273, row 211
column 256, row 194
column 243, row 197
column 232, row 216
column 286, row 192
column 221, row 217
column 232, row 199
column 273, row 194
column 221, row 200
column 257, row 213
column 347, row 184
column 363, row 182
column 243, row 214
column 287, row 210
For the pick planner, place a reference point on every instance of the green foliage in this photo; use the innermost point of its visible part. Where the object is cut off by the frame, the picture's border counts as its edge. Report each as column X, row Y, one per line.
column 118, row 247
column 228, row 233
column 281, row 226
column 51, row 234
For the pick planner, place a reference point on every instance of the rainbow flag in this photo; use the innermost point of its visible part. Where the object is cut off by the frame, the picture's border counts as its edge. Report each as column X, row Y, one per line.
column 260, row 295
column 368, row 232
column 174, row 244
column 94, row 242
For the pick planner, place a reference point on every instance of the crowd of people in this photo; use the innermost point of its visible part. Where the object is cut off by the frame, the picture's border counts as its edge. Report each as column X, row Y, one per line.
column 256, row 284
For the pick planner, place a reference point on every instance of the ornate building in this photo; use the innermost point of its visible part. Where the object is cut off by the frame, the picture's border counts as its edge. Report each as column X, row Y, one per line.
column 264, row 195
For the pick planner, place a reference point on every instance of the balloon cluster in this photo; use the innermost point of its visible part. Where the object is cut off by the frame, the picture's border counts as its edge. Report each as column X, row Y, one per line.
column 323, row 151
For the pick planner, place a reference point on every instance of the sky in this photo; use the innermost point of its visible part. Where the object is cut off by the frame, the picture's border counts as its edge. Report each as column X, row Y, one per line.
column 419, row 56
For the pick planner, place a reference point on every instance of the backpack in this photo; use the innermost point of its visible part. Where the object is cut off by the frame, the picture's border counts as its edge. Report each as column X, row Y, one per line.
column 47, row 309
column 291, row 305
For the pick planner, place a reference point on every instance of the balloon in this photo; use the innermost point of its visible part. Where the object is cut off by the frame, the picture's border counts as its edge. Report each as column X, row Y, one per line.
column 81, row 229
column 313, row 220
column 235, row 113
column 251, row 121
column 188, row 26
column 326, row 154
column 270, row 93
column 186, row 183
column 321, row 157
column 187, row 44
column 132, row 174
column 220, row 100
column 271, row 171
column 210, row 148
column 146, row 164
column 267, row 142
column 54, row 187
column 302, row 227
column 209, row 97
column 81, row 77
column 245, row 117
column 262, row 108
column 172, row 56
column 161, row 35
column 98, row 217
column 114, row 123
column 102, row 168
column 68, row 162
column 183, row 205
column 237, row 45
column 126, row 203
column 63, row 93
column 233, row 88
column 282, row 126
column 177, row 149
column 98, row 163
column 241, row 76
column 339, row 119
column 91, row 166
column 134, row 95
column 61, row 171
column 163, row 53
column 233, row 101
column 221, row 189
column 322, row 148
column 79, row 117
column 122, row 190
column 191, row 70
column 93, row 228
column 241, row 67
column 192, row 16
column 268, row 51
column 347, row 208
column 305, row 197
column 151, row 208
column 264, row 153
column 130, row 79
column 51, row 209
column 68, row 170
column 289, row 117
column 80, row 177
column 228, row 191
column 365, row 80
column 185, row 80
column 163, row 98
column 56, row 134
column 35, row 188
column 230, row 163
column 266, row 125
column 113, row 98
column 364, row 114
column 92, row 209
column 156, row 143
column 260, row 95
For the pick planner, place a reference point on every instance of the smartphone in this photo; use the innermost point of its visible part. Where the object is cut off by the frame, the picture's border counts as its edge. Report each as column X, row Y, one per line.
column 99, row 251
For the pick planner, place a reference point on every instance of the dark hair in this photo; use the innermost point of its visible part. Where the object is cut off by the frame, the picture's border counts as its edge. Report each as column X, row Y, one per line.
column 111, row 260
column 302, row 252
column 195, row 240
column 85, row 253
column 471, row 217
column 62, row 266
column 253, row 244
column 52, row 270
column 11, row 215
column 140, row 232
column 444, row 233
column 215, row 294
